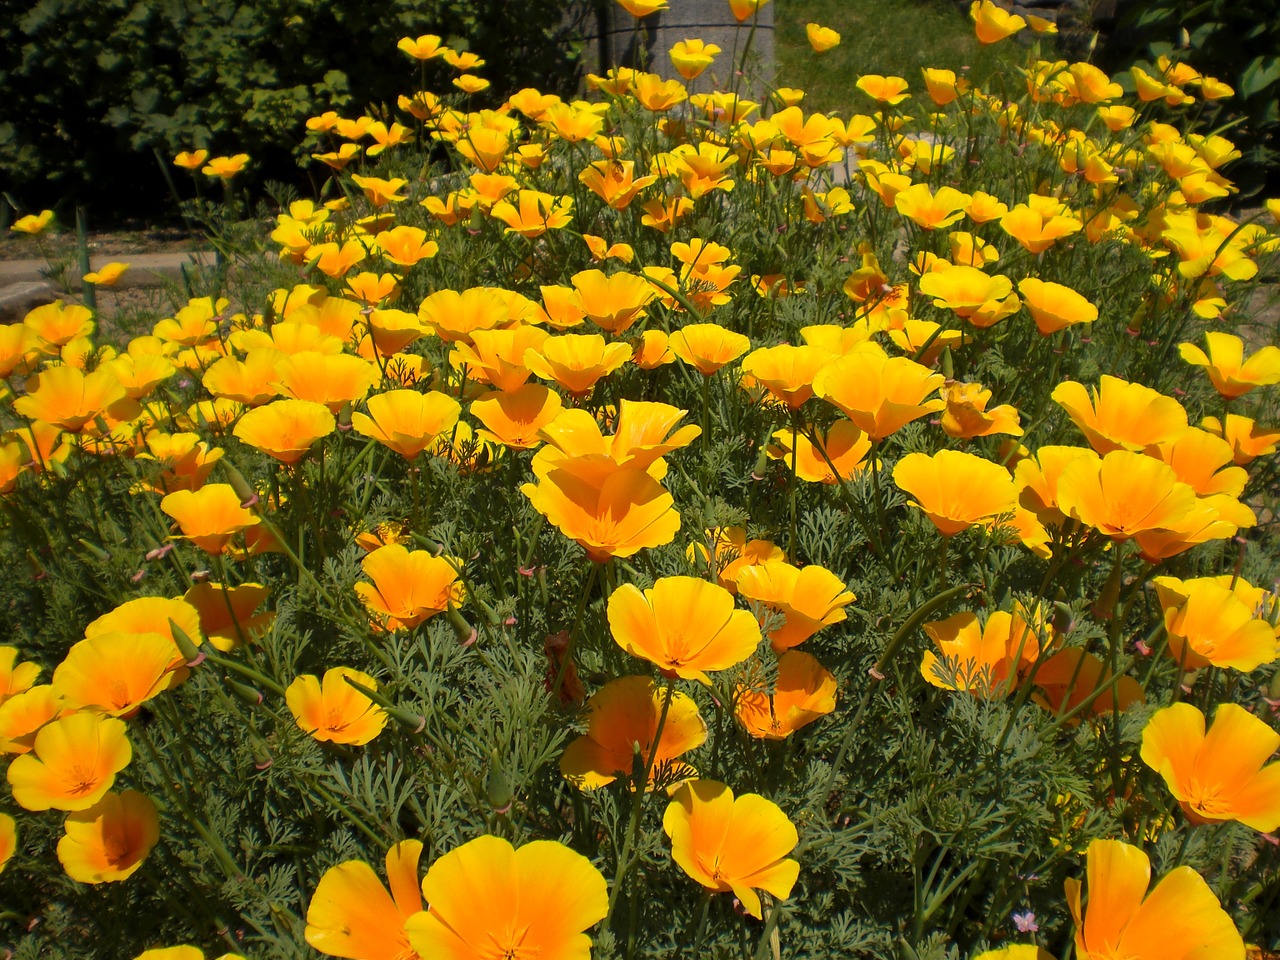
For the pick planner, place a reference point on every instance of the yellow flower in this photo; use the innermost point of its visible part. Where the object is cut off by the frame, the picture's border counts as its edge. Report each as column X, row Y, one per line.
column 804, row 691
column 821, row 38
column 107, row 275
column 1181, row 918
column 408, row 586
column 334, row 711
column 955, row 489
column 1120, row 415
column 286, row 429
column 809, row 598
column 1208, row 623
column 890, row 90
column 33, row 223
column 966, row 415
column 407, row 421
column 351, row 914
column 73, row 764
column 108, row 842
column 732, row 844
column 878, row 393
column 225, row 167
column 426, row 47
column 642, row 8
column 1231, row 374
column 691, row 57
column 993, row 23
column 745, row 9
column 986, row 660
column 191, row 160
column 1054, row 307
column 534, row 213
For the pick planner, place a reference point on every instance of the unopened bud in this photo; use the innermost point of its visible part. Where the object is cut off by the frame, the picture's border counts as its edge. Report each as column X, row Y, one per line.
column 465, row 633
column 98, row 553
column 186, row 646
column 246, row 693
column 248, row 496
column 497, row 786
column 1105, row 606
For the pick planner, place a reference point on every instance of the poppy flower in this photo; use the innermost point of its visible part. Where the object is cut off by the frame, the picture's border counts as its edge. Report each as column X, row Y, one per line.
column 576, row 361
column 685, row 625
column 878, row 393
column 642, row 8
column 1037, row 230
column 331, row 380
column 69, row 399
column 840, row 453
column 408, row 586
column 1208, row 623
column 624, row 715
column 707, row 346
column 1223, row 359
column 516, row 418
column 225, row 167
column 803, row 692
column 1201, row 460
column 107, row 275
column 285, row 429
column 692, row 57
column 1248, row 439
column 1053, row 306
column 24, row 714
column 744, row 10
column 208, row 517
column 787, row 371
column 1221, row 774
column 333, row 711
column 966, row 290
column 983, row 659
column 456, row 316
column 489, row 899
column 496, row 357
column 993, row 23
column 108, row 842
column 228, row 616
column 809, row 598
column 115, row 673
column 34, row 224
column 703, row 168
column 664, row 217
column 732, row 844
column 612, row 302
column 731, row 551
column 1070, row 677
column 407, row 421
column 333, row 260
column 56, row 324
column 1120, row 415
column 373, row 289
column 821, row 38
column 1123, row 494
column 955, row 489
column 929, row 210
column 8, row 839
column 533, row 213
column 351, row 914
column 1181, row 919
column 426, row 47
column 73, row 763
column 15, row 678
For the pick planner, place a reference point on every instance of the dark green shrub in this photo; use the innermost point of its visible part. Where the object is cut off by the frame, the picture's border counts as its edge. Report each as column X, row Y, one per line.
column 89, row 87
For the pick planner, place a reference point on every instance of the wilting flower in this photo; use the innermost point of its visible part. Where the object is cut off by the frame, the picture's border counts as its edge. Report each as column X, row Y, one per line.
column 1070, row 677
column 809, row 598
column 878, row 393
column 955, row 489
column 209, row 517
column 73, row 764
column 286, row 429
column 804, row 691
column 489, row 899
column 351, row 914
column 1232, row 375
column 1053, row 306
column 1121, row 415
column 685, row 625
column 1180, row 920
column 732, row 844
column 983, row 659
column 1208, row 623
column 624, row 715
column 334, row 711
column 1219, row 775
column 108, row 842
column 409, row 586
column 966, row 414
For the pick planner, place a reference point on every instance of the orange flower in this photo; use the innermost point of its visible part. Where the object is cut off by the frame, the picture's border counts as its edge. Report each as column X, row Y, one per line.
column 890, row 90
column 1121, row 415
column 108, row 842
column 622, row 715
column 1124, row 494
column 685, row 625
column 728, row 844
column 533, row 213
column 516, row 418
column 8, row 839
column 840, row 455
column 286, row 429
column 67, row 398
column 877, row 393
column 381, row 192
column 496, row 357
column 614, row 302
column 208, row 517
column 1208, row 623
column 373, row 289
column 614, row 181
column 57, row 325
column 330, row 380
column 993, row 23
column 744, row 10
column 333, row 260
column 707, row 346
column 227, row 617
column 1070, row 677
column 1037, row 230
column 787, row 371
column 456, row 316
column 691, row 57
column 804, row 691
column 966, row 414
column 115, row 673
column 1218, row 775
column 1248, row 440
column 966, row 290
column 576, row 361
column 491, row 900
column 409, row 586
column 666, row 216
column 730, row 553
column 1180, row 920
column 1231, row 374
column 15, row 678
column 985, row 660
column 73, row 764
column 809, row 598
column 821, row 38
column 928, row 210
column 1053, row 306
column 335, row 711
column 407, row 421
column 352, row 915
column 955, row 489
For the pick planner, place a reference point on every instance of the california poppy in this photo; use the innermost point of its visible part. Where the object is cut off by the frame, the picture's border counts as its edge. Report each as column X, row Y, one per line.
column 228, row 616
column 878, row 393
column 408, row 586
column 73, row 764
column 732, row 844
column 983, row 659
column 407, row 421
column 286, row 429
column 332, row 710
column 803, row 692
column 809, row 598
column 209, row 517
column 107, row 842
column 1230, row 372
column 515, row 418
column 707, row 346
column 955, row 489
column 351, row 914
column 1121, row 415
column 1208, row 623
column 115, row 673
